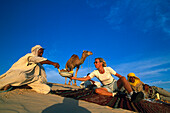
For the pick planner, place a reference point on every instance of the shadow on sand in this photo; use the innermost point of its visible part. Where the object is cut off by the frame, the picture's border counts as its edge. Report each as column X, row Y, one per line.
column 68, row 106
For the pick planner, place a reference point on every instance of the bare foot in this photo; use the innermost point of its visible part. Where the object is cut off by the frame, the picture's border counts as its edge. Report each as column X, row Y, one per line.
column 7, row 87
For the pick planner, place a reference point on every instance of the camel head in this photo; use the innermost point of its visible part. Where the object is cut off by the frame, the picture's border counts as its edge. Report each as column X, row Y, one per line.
column 87, row 52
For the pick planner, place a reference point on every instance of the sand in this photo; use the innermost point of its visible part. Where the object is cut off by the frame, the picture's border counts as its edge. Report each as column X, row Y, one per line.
column 28, row 101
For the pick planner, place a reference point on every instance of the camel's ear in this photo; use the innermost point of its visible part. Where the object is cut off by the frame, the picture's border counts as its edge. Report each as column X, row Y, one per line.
column 84, row 50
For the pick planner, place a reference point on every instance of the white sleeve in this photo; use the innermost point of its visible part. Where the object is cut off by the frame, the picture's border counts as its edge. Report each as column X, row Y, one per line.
column 92, row 74
column 113, row 72
column 36, row 59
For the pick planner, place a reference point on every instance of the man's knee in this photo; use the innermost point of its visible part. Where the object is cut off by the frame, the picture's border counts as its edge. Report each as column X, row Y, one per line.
column 123, row 78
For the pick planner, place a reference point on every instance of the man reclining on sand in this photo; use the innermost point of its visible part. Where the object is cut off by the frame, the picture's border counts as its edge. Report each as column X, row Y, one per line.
column 28, row 70
column 110, row 85
column 152, row 92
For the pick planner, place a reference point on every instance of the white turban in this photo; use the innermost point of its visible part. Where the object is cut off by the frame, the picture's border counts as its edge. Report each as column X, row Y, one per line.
column 34, row 50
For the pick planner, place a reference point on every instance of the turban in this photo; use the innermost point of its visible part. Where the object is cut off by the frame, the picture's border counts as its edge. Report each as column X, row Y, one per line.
column 34, row 50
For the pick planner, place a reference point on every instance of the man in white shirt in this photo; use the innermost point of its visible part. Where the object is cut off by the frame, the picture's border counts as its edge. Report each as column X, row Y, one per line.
column 28, row 70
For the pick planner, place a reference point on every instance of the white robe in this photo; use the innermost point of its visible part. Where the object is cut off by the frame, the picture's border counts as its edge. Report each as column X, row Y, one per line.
column 27, row 70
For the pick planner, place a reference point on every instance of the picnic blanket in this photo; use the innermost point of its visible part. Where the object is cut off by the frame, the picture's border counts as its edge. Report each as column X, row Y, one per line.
column 119, row 101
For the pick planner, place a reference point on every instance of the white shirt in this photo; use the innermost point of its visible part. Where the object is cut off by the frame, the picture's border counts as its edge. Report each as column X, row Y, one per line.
column 106, row 77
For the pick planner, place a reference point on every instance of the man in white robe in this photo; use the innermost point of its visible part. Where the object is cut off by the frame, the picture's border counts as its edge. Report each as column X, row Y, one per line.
column 28, row 70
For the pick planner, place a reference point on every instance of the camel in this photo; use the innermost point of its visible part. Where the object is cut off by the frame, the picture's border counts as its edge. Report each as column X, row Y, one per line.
column 74, row 61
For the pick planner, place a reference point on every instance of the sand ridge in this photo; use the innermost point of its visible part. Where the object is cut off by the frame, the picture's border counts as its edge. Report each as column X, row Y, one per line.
column 28, row 101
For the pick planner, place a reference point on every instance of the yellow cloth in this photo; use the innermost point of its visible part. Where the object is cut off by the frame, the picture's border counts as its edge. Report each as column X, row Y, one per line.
column 137, row 80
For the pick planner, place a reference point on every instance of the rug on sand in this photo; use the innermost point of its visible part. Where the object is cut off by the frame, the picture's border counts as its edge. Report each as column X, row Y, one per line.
column 119, row 101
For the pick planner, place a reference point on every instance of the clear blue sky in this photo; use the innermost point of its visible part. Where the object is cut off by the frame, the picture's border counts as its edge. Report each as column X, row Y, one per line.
column 131, row 35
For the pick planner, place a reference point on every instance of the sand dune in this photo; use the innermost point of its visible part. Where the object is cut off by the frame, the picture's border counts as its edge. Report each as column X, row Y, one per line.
column 28, row 101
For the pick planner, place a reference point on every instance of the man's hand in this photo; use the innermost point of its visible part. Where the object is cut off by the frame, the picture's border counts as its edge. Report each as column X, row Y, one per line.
column 56, row 65
column 72, row 78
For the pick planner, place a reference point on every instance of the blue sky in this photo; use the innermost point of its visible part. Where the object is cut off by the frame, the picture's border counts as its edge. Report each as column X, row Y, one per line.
column 131, row 35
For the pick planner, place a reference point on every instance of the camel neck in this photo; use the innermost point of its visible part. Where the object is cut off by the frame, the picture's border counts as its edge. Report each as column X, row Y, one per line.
column 83, row 58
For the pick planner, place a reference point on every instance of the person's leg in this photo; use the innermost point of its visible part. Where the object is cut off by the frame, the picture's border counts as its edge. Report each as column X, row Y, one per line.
column 103, row 91
column 13, row 78
column 135, row 97
column 123, row 82
column 6, row 87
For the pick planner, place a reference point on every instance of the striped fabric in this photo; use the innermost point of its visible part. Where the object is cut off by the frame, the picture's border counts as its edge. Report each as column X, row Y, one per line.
column 119, row 101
